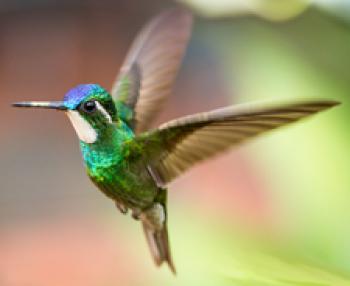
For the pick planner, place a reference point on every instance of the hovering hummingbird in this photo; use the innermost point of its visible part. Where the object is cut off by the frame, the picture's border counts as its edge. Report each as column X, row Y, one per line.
column 131, row 163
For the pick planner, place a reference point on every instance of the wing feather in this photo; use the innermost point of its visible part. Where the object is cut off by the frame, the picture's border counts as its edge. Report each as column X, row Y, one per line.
column 179, row 144
column 157, row 51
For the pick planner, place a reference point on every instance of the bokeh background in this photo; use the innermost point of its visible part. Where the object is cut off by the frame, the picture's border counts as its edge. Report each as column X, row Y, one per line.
column 272, row 212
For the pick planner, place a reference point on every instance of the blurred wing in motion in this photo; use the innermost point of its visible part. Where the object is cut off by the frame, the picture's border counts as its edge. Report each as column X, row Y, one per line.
column 156, row 53
column 179, row 144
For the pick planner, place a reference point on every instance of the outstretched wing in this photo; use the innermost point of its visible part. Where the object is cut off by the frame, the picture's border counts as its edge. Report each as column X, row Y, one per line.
column 157, row 54
column 178, row 145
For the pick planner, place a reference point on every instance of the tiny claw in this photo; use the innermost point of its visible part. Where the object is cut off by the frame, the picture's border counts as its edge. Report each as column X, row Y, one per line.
column 136, row 214
column 122, row 208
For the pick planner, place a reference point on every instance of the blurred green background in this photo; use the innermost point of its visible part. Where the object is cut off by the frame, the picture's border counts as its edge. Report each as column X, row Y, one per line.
column 272, row 212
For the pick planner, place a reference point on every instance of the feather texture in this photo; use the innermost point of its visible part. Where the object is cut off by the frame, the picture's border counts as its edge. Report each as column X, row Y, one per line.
column 179, row 144
column 157, row 51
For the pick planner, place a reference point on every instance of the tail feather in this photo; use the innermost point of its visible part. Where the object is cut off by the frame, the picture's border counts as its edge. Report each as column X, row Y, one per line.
column 159, row 245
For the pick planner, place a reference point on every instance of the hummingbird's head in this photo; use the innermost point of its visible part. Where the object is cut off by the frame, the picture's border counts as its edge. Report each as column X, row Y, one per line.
column 89, row 107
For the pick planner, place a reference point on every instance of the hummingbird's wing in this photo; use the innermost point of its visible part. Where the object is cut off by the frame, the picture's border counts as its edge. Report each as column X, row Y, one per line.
column 179, row 144
column 157, row 52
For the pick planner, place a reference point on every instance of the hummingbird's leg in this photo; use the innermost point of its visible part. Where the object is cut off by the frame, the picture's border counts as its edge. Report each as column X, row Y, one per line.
column 136, row 214
column 122, row 208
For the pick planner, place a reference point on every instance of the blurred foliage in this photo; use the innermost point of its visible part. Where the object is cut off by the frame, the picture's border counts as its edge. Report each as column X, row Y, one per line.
column 225, row 257
column 275, row 10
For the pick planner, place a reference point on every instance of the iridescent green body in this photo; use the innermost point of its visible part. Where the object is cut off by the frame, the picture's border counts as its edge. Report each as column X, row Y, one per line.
column 109, row 166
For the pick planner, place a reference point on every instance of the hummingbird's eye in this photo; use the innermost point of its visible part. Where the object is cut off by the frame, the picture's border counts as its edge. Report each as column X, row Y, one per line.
column 89, row 106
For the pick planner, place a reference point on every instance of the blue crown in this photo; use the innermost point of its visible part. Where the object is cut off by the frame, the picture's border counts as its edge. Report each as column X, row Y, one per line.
column 76, row 95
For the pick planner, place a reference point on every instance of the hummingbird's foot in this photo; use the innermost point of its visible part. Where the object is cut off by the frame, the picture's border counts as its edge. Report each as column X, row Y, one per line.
column 122, row 208
column 136, row 214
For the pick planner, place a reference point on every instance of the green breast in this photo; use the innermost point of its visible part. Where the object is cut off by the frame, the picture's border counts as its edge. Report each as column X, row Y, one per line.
column 113, row 173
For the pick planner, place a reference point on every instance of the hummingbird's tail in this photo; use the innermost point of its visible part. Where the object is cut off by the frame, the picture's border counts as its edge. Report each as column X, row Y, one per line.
column 159, row 245
column 156, row 232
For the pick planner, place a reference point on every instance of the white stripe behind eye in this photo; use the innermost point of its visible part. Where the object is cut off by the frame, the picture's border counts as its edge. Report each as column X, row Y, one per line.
column 84, row 130
column 103, row 111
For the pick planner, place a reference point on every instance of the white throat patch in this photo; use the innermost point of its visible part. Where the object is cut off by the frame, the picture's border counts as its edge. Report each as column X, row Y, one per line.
column 84, row 130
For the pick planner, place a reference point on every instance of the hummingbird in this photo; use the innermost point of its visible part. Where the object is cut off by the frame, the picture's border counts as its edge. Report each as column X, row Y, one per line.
column 132, row 163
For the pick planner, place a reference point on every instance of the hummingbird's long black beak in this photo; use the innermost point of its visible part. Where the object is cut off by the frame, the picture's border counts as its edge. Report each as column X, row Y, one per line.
column 58, row 105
